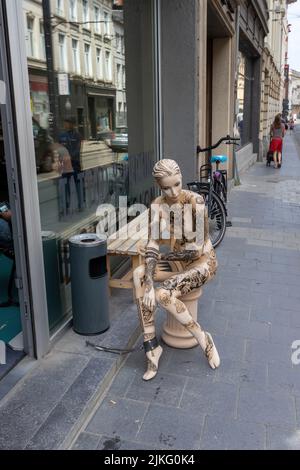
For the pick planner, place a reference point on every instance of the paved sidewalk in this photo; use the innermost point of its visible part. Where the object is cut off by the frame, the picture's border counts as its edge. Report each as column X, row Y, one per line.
column 252, row 309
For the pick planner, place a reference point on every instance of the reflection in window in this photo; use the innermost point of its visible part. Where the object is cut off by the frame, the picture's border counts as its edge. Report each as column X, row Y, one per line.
column 123, row 77
column 97, row 23
column 42, row 42
column 60, row 7
column 62, row 52
column 98, row 63
column 107, row 66
column 119, row 83
column 80, row 127
column 241, row 96
column 30, row 39
column 76, row 61
column 85, row 12
column 87, row 60
column 73, row 10
column 106, row 23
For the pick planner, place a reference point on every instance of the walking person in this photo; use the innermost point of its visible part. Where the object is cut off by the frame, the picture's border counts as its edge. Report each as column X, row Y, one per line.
column 72, row 141
column 277, row 134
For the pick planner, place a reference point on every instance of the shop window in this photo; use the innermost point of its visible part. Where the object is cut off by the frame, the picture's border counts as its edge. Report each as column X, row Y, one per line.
column 30, row 36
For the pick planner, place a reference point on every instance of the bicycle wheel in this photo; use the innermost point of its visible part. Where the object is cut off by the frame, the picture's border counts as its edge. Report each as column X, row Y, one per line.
column 220, row 190
column 216, row 216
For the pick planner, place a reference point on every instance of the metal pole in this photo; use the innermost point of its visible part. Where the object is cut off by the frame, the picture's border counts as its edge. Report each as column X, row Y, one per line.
column 52, row 87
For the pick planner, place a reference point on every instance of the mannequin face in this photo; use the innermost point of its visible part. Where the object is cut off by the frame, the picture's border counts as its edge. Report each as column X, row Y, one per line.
column 171, row 187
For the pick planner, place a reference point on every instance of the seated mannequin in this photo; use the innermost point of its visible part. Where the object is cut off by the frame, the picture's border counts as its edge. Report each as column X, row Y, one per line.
column 197, row 263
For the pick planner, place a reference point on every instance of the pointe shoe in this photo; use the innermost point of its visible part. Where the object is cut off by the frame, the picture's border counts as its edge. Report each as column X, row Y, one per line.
column 211, row 352
column 152, row 363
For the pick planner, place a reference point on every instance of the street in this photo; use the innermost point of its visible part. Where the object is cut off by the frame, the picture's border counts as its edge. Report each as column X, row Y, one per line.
column 252, row 309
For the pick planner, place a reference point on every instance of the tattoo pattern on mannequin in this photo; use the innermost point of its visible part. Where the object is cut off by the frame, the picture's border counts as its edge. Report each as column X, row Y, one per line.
column 165, row 299
column 195, row 255
column 187, row 281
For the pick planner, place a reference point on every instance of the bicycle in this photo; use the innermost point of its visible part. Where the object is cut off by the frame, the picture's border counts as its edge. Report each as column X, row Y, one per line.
column 213, row 187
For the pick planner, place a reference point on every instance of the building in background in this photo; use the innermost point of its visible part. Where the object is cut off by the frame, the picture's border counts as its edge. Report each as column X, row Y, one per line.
column 294, row 94
column 274, row 70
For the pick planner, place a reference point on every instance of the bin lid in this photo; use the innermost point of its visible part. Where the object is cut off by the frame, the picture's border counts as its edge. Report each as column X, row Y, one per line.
column 48, row 235
column 88, row 239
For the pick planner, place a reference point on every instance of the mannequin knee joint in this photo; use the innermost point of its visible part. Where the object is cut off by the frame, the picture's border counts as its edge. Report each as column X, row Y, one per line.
column 163, row 297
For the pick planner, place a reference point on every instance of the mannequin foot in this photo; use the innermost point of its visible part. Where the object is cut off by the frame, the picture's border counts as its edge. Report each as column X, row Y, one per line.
column 211, row 352
column 152, row 363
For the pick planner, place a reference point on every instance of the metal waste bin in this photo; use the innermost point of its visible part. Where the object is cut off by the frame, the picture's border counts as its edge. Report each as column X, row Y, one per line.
column 51, row 267
column 89, row 283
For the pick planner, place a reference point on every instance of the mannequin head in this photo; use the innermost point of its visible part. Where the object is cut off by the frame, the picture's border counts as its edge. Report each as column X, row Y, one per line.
column 168, row 176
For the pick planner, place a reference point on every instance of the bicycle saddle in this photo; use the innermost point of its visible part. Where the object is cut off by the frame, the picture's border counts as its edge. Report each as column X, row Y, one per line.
column 219, row 159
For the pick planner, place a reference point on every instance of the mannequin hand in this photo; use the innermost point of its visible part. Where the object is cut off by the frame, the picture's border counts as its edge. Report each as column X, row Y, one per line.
column 149, row 299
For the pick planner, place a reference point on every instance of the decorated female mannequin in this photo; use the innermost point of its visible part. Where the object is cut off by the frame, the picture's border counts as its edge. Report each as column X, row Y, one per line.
column 197, row 261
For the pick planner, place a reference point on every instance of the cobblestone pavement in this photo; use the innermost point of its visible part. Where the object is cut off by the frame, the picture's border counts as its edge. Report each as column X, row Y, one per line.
column 252, row 309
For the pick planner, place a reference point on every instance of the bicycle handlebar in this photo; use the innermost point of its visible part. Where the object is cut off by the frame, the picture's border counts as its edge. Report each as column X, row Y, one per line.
column 231, row 140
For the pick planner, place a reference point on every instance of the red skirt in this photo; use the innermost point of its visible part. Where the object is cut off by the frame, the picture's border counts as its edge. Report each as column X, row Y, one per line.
column 276, row 145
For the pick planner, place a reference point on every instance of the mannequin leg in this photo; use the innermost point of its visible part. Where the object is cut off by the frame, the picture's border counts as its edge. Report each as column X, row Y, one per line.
column 168, row 299
column 152, row 349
